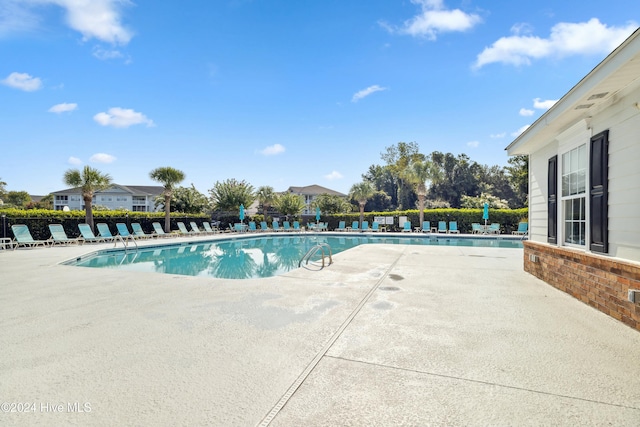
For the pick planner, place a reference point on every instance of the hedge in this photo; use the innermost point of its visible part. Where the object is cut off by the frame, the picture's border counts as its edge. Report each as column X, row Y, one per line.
column 38, row 220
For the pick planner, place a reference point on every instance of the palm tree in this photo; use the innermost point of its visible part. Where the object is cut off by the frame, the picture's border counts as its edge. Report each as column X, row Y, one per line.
column 169, row 177
column 361, row 192
column 266, row 197
column 419, row 173
column 89, row 180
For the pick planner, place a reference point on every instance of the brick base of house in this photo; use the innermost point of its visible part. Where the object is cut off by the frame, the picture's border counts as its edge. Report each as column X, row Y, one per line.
column 601, row 282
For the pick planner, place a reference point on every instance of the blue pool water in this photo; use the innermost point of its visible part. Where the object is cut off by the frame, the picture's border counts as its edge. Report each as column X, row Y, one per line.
column 246, row 258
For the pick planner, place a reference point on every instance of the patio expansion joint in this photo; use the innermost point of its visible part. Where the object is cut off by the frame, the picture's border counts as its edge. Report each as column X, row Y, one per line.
column 488, row 383
column 322, row 353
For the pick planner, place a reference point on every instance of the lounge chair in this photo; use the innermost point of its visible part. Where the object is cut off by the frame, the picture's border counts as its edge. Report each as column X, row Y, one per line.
column 139, row 232
column 123, row 231
column 22, row 237
column 183, row 229
column 341, row 226
column 365, row 226
column 453, row 227
column 276, row 226
column 523, row 228
column 296, row 226
column 264, row 226
column 476, row 228
column 88, row 236
column 494, row 228
column 406, row 227
column 59, row 237
column 208, row 229
column 442, row 226
column 323, row 226
column 355, row 226
column 105, row 232
column 194, row 227
column 159, row 231
column 252, row 226
column 375, row 226
column 286, row 226
column 426, row 227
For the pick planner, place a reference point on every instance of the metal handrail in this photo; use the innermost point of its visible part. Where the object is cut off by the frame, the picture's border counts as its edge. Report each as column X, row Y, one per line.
column 311, row 252
column 124, row 243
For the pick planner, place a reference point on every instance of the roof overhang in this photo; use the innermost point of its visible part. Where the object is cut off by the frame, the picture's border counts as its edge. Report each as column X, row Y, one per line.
column 599, row 89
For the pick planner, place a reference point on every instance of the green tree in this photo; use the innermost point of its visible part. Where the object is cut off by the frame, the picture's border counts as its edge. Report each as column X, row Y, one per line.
column 266, row 196
column 290, row 204
column 398, row 158
column 361, row 192
column 477, row 202
column 385, row 184
column 187, row 200
column 419, row 174
column 518, row 175
column 331, row 204
column 228, row 195
column 169, row 177
column 89, row 180
column 18, row 199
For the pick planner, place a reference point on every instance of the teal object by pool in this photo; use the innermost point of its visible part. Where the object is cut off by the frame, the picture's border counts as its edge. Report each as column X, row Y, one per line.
column 247, row 258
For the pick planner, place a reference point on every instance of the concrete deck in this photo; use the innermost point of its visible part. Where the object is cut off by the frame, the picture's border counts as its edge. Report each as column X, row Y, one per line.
column 387, row 335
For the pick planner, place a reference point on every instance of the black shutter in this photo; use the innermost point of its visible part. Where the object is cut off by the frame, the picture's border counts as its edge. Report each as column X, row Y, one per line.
column 552, row 203
column 599, row 192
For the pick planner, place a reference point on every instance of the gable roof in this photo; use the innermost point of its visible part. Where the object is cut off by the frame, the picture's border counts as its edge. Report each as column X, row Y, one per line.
column 134, row 190
column 314, row 190
column 612, row 78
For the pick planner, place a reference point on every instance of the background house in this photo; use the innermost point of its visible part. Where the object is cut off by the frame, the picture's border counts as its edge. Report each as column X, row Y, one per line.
column 584, row 187
column 310, row 192
column 134, row 198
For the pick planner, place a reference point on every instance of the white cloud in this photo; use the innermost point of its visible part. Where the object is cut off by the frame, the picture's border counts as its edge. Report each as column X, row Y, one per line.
column 498, row 135
column 106, row 54
column 434, row 19
column 566, row 39
column 366, row 92
column 122, row 118
column 64, row 107
column 519, row 131
column 23, row 81
column 543, row 105
column 15, row 17
column 74, row 161
column 102, row 158
column 473, row 144
column 272, row 150
column 99, row 19
column 333, row 176
column 526, row 112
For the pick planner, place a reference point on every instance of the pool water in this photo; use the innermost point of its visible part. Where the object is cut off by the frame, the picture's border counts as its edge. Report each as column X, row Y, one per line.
column 246, row 258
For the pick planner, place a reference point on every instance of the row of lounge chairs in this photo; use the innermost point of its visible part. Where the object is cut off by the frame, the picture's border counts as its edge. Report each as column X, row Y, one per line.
column 23, row 237
column 275, row 226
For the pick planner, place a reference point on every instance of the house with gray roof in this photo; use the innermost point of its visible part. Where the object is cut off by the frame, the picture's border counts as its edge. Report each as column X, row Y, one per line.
column 135, row 198
column 310, row 192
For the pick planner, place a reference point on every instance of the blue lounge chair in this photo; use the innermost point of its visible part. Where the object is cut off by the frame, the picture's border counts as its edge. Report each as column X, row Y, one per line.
column 341, row 226
column 252, row 226
column 494, row 228
column 296, row 226
column 123, row 231
column 183, row 229
column 323, row 226
column 159, row 231
column 523, row 228
column 139, row 232
column 442, row 226
column 426, row 227
column 453, row 227
column 406, row 227
column 208, row 229
column 286, row 226
column 88, row 236
column 355, row 226
column 476, row 228
column 375, row 226
column 264, row 226
column 59, row 237
column 276, row 226
column 104, row 231
column 194, row 227
column 22, row 237
column 365, row 226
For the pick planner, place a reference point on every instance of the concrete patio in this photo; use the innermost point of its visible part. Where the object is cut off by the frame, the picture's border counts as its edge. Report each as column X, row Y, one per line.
column 388, row 335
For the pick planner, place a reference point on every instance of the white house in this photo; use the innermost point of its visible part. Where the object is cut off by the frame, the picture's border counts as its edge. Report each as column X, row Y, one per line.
column 134, row 198
column 310, row 192
column 584, row 187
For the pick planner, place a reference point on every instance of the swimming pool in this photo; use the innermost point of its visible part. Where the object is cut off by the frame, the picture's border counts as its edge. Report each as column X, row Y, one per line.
column 253, row 257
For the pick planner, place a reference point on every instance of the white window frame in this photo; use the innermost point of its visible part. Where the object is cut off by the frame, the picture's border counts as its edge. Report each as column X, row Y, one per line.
column 577, row 190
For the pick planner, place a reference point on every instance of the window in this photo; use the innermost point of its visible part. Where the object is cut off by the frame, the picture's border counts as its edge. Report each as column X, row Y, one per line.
column 574, row 184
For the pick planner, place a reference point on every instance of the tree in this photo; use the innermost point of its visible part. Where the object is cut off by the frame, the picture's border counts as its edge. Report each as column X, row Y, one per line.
column 361, row 192
column 230, row 194
column 169, row 178
column 3, row 190
column 398, row 158
column 518, row 175
column 386, row 185
column 187, row 200
column 419, row 173
column 469, row 202
column 266, row 196
column 289, row 204
column 18, row 199
column 331, row 204
column 89, row 180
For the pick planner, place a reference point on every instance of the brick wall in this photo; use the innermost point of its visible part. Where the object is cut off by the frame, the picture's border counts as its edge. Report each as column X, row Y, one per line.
column 601, row 282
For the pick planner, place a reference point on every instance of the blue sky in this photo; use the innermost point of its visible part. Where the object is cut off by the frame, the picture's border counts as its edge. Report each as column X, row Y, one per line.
column 281, row 93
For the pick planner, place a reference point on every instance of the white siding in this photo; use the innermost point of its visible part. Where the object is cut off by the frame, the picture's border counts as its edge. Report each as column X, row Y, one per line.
column 538, row 193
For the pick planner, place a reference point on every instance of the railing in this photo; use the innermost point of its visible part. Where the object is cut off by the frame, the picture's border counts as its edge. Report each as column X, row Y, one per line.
column 124, row 243
column 311, row 252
